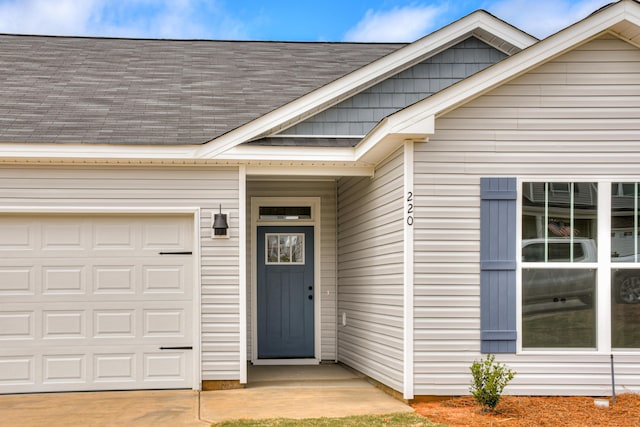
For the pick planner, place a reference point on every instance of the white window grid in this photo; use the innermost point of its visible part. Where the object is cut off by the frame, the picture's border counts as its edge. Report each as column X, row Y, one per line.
column 278, row 248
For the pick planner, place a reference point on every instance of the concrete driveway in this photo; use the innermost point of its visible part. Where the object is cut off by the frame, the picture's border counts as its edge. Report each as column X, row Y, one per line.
column 125, row 408
column 289, row 392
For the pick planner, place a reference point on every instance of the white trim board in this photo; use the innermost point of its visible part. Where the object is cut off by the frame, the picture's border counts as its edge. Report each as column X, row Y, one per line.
column 242, row 263
column 409, row 218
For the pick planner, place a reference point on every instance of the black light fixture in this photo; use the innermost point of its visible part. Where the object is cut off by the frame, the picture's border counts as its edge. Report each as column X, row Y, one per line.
column 220, row 224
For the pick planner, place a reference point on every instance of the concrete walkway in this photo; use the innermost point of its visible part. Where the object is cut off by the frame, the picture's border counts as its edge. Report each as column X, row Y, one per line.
column 288, row 392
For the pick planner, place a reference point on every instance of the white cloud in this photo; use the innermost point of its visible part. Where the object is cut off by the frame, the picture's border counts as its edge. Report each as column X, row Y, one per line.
column 544, row 17
column 120, row 18
column 46, row 17
column 400, row 24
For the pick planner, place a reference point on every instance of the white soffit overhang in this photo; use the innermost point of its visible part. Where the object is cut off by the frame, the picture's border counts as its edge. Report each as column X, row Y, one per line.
column 417, row 122
column 480, row 24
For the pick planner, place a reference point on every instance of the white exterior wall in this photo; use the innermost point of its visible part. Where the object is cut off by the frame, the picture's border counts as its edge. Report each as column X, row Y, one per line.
column 326, row 190
column 67, row 188
column 577, row 117
column 370, row 272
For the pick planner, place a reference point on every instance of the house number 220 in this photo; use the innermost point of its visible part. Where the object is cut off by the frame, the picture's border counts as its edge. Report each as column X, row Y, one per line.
column 410, row 208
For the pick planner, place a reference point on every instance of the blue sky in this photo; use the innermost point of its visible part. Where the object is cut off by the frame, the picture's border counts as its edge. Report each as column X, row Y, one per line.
column 302, row 20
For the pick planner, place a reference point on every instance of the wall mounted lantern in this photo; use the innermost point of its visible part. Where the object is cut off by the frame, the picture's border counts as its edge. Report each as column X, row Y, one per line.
column 220, row 225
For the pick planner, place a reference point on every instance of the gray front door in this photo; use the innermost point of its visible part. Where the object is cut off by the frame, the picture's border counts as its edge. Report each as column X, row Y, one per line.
column 285, row 292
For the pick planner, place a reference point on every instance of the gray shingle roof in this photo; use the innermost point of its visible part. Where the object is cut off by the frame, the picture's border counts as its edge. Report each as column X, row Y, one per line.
column 129, row 91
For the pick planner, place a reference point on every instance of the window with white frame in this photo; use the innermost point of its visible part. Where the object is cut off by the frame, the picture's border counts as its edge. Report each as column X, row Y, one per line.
column 284, row 248
column 625, row 267
column 560, row 265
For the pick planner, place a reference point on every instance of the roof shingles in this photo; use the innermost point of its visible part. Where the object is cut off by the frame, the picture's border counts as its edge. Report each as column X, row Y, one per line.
column 130, row 91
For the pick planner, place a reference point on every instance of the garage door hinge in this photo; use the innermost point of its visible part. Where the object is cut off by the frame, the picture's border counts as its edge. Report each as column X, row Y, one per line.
column 175, row 253
column 177, row 348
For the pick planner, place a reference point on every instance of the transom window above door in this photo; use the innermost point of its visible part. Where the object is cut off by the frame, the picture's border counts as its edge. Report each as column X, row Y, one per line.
column 284, row 212
column 284, row 248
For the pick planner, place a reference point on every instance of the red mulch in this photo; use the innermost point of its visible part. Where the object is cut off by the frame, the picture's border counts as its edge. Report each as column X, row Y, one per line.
column 519, row 411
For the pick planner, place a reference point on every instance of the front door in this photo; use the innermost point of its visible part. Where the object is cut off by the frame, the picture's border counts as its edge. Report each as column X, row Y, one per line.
column 285, row 292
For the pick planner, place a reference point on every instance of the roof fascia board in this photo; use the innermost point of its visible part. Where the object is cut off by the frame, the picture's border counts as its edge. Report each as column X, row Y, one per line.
column 367, row 75
column 422, row 114
column 324, row 170
column 270, row 153
column 95, row 151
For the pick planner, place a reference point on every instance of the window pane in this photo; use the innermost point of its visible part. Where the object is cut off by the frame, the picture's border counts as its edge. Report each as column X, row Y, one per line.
column 558, row 251
column 272, row 248
column 285, row 249
column 558, row 308
column 624, row 222
column 625, row 308
column 285, row 212
column 559, row 222
column 297, row 254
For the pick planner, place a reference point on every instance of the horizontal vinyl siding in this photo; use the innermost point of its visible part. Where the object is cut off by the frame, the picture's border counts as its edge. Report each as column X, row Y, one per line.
column 326, row 190
column 142, row 187
column 577, row 117
column 370, row 272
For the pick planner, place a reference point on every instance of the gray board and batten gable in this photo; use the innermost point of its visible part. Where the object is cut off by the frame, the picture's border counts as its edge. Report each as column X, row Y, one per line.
column 157, row 92
column 346, row 123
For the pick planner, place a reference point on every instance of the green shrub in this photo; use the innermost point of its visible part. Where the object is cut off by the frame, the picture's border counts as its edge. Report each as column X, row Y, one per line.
column 489, row 379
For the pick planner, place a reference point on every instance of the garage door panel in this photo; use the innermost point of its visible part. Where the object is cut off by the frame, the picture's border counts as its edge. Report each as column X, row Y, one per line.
column 15, row 236
column 166, row 366
column 163, row 323
column 61, row 324
column 104, row 297
column 114, row 279
column 88, row 302
column 114, row 235
column 98, row 368
column 159, row 235
column 64, row 279
column 64, row 368
column 93, row 279
column 18, row 369
column 164, row 278
column 114, row 323
column 55, row 236
column 17, row 325
column 65, row 235
column 16, row 280
column 114, row 367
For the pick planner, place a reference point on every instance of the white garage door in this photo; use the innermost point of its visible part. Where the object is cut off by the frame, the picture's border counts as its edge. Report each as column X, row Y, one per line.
column 92, row 302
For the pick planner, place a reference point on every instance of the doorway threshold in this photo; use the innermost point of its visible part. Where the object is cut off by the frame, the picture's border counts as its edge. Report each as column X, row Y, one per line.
column 286, row 362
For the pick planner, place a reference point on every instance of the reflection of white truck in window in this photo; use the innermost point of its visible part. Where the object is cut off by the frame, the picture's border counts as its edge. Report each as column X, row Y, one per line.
column 551, row 284
column 559, row 250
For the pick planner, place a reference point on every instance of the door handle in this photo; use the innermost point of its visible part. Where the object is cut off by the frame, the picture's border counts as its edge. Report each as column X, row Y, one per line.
column 310, row 296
